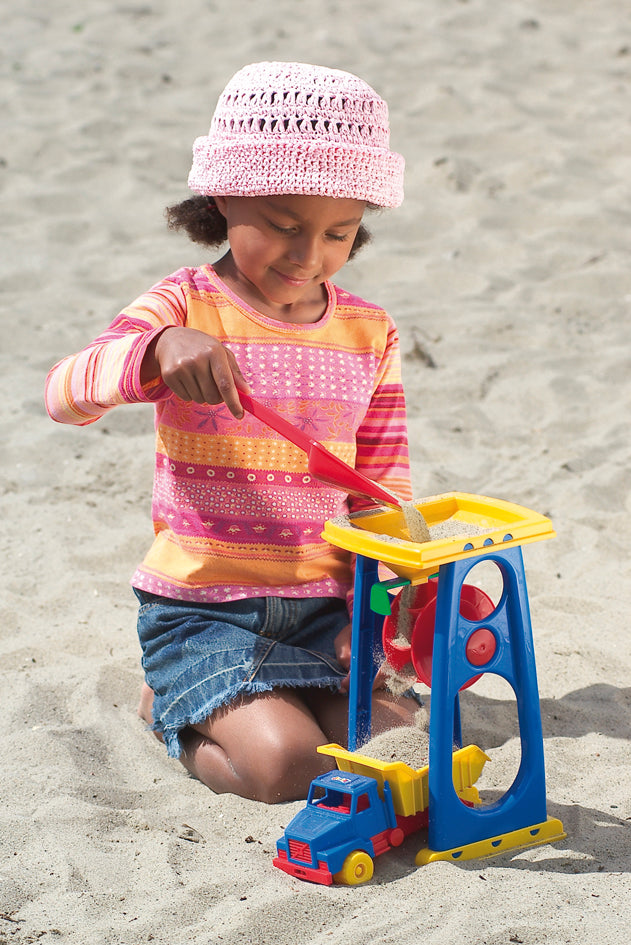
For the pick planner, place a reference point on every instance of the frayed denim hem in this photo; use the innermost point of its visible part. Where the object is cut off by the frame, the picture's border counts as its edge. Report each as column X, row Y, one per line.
column 171, row 731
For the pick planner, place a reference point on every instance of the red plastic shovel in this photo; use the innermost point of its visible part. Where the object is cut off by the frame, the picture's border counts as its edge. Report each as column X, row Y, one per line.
column 322, row 464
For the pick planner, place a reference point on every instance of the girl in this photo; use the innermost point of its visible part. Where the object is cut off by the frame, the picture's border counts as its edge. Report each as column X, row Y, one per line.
column 243, row 618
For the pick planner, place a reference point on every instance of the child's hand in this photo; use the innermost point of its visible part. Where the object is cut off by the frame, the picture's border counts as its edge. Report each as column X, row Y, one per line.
column 343, row 652
column 197, row 367
column 343, row 656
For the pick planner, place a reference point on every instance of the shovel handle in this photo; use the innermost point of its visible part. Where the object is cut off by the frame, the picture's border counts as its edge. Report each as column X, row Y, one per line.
column 276, row 422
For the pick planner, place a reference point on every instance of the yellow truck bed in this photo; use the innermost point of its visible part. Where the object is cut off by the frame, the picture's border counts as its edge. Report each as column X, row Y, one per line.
column 409, row 786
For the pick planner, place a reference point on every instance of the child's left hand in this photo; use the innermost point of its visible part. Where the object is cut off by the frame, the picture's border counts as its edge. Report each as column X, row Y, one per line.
column 343, row 653
column 343, row 656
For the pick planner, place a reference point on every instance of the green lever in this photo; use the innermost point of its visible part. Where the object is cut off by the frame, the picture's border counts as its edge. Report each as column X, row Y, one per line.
column 379, row 599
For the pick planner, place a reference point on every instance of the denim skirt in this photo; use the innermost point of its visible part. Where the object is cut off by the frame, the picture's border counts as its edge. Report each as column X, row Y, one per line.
column 198, row 657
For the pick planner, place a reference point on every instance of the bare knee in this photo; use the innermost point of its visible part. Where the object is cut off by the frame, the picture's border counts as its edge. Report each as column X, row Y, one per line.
column 390, row 711
column 276, row 769
column 262, row 747
column 285, row 771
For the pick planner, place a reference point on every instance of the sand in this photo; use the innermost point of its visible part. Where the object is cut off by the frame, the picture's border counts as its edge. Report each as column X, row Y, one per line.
column 508, row 272
column 415, row 523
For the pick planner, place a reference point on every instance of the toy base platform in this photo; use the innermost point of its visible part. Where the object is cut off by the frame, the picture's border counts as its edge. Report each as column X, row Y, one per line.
column 547, row 832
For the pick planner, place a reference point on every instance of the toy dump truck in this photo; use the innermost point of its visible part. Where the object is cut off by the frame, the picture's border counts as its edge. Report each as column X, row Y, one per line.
column 361, row 810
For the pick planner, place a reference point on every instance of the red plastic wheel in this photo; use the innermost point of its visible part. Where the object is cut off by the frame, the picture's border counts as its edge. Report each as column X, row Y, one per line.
column 474, row 605
column 396, row 837
column 481, row 646
column 396, row 654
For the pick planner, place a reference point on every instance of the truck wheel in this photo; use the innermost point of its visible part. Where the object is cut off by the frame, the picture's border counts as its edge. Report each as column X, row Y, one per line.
column 396, row 837
column 357, row 868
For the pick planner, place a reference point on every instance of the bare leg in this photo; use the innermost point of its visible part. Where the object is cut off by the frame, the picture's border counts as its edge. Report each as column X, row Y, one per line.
column 262, row 747
column 331, row 712
column 145, row 707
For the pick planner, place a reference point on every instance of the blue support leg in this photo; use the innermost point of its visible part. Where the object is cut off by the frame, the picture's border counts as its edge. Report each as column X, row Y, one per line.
column 365, row 627
column 451, row 823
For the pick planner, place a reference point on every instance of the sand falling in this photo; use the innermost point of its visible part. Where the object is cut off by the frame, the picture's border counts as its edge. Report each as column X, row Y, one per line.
column 415, row 522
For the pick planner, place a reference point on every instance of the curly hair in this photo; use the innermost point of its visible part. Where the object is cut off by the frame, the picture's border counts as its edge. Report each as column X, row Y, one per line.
column 200, row 218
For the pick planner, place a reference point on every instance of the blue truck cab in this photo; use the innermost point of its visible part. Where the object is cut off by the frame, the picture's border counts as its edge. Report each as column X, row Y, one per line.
column 345, row 823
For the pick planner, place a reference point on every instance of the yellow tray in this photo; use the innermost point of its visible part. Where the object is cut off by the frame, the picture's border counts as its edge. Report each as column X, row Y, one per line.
column 475, row 525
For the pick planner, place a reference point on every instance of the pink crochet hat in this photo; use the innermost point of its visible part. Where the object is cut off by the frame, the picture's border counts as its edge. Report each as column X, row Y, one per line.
column 291, row 128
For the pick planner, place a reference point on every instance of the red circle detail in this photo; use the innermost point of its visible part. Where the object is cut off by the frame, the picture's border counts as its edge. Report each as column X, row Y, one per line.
column 481, row 647
column 396, row 837
column 474, row 605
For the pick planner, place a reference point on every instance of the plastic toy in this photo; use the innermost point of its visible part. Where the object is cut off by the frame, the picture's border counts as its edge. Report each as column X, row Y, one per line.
column 368, row 806
column 361, row 811
column 474, row 605
column 463, row 645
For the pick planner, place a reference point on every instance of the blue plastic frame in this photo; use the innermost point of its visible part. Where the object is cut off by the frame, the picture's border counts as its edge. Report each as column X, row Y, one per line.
column 452, row 823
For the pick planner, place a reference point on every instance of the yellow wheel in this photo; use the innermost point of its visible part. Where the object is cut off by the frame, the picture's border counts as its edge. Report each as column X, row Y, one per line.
column 357, row 868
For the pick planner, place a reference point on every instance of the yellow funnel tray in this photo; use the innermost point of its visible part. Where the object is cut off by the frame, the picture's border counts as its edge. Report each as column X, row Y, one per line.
column 461, row 525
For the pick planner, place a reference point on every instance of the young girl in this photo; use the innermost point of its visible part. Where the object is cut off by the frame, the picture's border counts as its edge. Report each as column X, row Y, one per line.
column 243, row 618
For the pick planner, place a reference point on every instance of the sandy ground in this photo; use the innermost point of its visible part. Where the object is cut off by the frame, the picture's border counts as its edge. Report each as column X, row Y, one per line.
column 507, row 270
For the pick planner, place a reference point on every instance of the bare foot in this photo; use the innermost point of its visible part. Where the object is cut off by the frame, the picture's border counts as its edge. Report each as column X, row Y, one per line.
column 145, row 707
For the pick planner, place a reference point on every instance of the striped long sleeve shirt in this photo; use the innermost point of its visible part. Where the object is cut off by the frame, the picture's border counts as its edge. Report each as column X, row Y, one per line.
column 235, row 512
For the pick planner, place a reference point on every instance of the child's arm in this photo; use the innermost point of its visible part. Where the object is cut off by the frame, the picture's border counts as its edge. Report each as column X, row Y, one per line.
column 343, row 656
column 130, row 363
column 84, row 386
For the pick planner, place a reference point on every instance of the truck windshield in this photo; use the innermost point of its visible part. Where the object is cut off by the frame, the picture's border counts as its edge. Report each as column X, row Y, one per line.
column 330, row 800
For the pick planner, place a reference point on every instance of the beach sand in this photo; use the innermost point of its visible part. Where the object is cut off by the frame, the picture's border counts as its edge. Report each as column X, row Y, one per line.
column 508, row 272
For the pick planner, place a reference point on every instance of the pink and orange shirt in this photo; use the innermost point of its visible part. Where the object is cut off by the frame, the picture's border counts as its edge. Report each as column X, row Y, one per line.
column 235, row 512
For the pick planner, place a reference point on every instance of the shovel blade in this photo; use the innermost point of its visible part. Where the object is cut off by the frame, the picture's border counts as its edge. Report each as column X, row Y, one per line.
column 329, row 468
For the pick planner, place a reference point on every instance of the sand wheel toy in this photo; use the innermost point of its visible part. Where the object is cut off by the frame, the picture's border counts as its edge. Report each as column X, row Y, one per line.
column 419, row 622
column 454, row 632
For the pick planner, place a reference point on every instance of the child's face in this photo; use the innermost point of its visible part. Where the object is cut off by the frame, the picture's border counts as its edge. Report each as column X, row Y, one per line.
column 283, row 248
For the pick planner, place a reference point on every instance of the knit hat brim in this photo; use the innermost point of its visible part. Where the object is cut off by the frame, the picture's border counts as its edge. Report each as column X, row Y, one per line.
column 265, row 167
